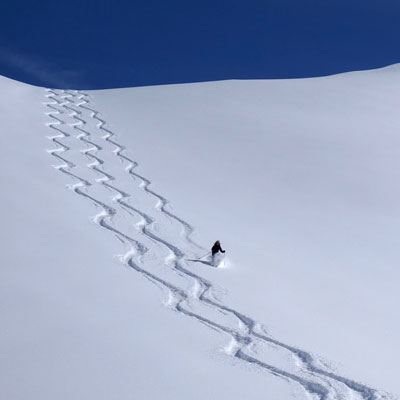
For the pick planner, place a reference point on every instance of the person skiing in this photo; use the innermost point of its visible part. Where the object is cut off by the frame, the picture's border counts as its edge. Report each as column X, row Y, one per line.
column 216, row 248
column 215, row 260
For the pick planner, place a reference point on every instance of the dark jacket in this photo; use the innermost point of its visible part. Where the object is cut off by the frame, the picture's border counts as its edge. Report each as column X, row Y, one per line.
column 216, row 248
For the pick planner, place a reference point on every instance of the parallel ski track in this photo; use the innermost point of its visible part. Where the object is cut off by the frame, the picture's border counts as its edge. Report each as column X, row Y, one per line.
column 323, row 387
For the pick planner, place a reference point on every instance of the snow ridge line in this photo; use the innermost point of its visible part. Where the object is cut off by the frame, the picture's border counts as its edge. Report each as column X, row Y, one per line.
column 241, row 339
column 308, row 361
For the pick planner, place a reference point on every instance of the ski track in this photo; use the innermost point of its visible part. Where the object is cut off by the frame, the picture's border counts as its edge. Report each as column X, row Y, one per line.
column 320, row 381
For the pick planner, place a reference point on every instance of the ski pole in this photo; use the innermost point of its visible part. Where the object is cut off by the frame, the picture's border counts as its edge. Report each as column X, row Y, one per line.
column 205, row 255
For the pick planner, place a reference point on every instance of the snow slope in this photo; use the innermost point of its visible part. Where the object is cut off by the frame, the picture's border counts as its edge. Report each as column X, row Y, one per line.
column 297, row 178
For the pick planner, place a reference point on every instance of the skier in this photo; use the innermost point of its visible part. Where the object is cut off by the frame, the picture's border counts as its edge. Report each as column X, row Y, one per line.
column 214, row 250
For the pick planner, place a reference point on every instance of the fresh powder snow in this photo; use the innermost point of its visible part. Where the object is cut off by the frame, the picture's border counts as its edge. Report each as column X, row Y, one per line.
column 112, row 200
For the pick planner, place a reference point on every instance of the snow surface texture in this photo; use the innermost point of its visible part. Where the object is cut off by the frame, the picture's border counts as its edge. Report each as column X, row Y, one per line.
column 268, row 137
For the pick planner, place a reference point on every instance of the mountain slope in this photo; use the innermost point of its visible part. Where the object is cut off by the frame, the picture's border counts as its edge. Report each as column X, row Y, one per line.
column 297, row 178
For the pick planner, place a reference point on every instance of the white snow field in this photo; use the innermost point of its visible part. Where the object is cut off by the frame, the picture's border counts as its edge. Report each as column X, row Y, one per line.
column 111, row 198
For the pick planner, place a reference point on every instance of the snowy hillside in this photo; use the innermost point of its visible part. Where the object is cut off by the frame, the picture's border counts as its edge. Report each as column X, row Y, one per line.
column 111, row 198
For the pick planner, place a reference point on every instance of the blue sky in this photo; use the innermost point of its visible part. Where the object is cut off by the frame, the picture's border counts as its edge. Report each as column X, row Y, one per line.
column 104, row 44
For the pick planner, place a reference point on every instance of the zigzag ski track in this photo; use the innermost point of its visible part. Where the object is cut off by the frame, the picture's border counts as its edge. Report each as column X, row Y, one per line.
column 87, row 152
